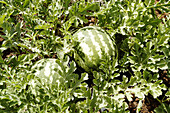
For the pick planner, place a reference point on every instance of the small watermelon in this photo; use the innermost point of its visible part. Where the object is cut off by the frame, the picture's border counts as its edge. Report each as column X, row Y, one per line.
column 47, row 70
column 93, row 44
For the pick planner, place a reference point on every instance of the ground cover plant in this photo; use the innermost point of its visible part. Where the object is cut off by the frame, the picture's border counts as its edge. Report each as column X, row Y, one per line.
column 39, row 70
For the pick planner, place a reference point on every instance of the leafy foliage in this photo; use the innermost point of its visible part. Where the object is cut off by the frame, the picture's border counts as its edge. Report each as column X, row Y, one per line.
column 34, row 31
column 163, row 108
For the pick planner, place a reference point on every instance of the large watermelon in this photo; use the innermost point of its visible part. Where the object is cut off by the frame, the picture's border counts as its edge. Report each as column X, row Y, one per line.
column 93, row 44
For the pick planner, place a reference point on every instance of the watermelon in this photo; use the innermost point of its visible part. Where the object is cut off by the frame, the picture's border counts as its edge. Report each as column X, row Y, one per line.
column 93, row 44
column 47, row 70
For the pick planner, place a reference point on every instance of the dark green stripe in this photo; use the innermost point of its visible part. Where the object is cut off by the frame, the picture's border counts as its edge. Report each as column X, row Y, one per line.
column 92, row 46
column 106, row 40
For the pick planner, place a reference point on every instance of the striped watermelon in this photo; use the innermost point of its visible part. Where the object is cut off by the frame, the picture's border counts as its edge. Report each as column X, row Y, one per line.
column 47, row 70
column 93, row 42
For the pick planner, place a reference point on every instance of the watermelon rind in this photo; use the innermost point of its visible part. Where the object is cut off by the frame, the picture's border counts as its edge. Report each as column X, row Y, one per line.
column 47, row 70
column 93, row 44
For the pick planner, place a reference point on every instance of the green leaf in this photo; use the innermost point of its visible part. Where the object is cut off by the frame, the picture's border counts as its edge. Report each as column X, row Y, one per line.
column 2, row 18
column 162, row 40
column 89, row 7
column 1, row 59
column 3, row 2
column 166, row 52
column 66, row 3
column 94, row 100
column 26, row 3
column 132, row 81
column 163, row 108
column 146, row 74
column 45, row 26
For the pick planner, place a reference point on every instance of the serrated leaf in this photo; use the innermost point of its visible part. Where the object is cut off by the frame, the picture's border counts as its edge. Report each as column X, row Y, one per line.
column 2, row 17
column 90, row 7
column 166, row 52
column 3, row 2
column 45, row 26
column 132, row 81
column 1, row 59
column 146, row 74
column 162, row 40
column 163, row 108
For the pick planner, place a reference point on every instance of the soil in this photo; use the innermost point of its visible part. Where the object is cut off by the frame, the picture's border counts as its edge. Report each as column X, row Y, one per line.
column 149, row 103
